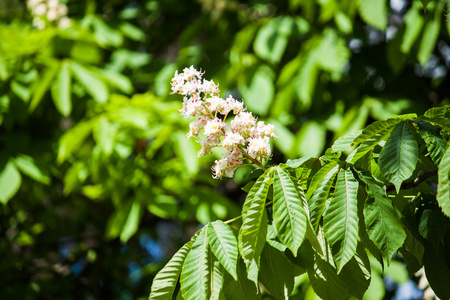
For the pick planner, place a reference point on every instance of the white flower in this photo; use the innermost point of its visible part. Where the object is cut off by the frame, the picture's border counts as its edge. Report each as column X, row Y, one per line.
column 243, row 123
column 227, row 165
column 196, row 126
column 262, row 130
column 207, row 144
column 210, row 88
column 259, row 148
column 215, row 127
column 215, row 103
column 233, row 105
column 192, row 107
column 232, row 139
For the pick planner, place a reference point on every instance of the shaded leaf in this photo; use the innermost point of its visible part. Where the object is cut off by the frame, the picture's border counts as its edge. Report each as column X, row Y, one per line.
column 132, row 222
column 242, row 288
column 436, row 145
column 277, row 272
column 357, row 273
column 27, row 166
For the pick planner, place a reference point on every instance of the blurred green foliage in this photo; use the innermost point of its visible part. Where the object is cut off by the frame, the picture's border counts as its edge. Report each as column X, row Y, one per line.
column 98, row 183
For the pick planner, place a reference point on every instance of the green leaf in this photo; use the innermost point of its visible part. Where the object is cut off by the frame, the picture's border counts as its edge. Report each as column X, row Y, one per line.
column 186, row 150
column 132, row 223
column 325, row 281
column 195, row 276
column 72, row 140
column 356, row 273
column 61, row 90
column 341, row 218
column 104, row 134
column 277, row 273
column 398, row 158
column 289, row 217
column 437, row 270
column 27, row 166
column 345, row 142
column 43, row 85
column 437, row 112
column 10, row 181
column 252, row 234
column 425, row 4
column 242, row 288
column 443, row 192
column 311, row 139
column 414, row 24
column 120, row 81
column 271, row 40
column 371, row 136
column 165, row 281
column 258, row 95
column 429, row 37
column 433, row 226
column 382, row 224
column 436, row 145
column 224, row 245
column 298, row 162
column 318, row 191
column 217, row 279
column 91, row 82
column 373, row 12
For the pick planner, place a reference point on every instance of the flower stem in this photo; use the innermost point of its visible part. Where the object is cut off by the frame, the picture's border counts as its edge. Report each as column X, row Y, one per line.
column 256, row 162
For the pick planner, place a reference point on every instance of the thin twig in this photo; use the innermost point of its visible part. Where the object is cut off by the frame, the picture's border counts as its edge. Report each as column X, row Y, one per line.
column 421, row 177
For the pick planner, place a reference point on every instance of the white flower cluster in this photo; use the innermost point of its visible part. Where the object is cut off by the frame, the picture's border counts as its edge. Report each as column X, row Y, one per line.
column 244, row 137
column 48, row 11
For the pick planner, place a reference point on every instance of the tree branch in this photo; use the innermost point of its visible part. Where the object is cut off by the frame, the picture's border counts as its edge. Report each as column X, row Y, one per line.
column 422, row 176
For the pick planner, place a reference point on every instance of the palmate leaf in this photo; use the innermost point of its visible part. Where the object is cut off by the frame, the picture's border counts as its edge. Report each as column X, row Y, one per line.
column 443, row 193
column 166, row 280
column 318, row 191
column 195, row 276
column 399, row 156
column 345, row 142
column 326, row 282
column 242, row 288
column 436, row 145
column 252, row 235
column 382, row 224
column 341, row 218
column 357, row 274
column 277, row 272
column 217, row 278
column 224, row 245
column 371, row 136
column 289, row 217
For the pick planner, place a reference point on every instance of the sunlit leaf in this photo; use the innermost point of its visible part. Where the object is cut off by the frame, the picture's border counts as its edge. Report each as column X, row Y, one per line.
column 91, row 82
column 61, row 90
column 195, row 275
column 443, row 192
column 27, row 166
column 224, row 245
column 318, row 191
column 382, row 223
column 289, row 217
column 399, row 155
column 132, row 222
column 165, row 281
column 340, row 223
column 10, row 181
column 252, row 234
column 373, row 12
